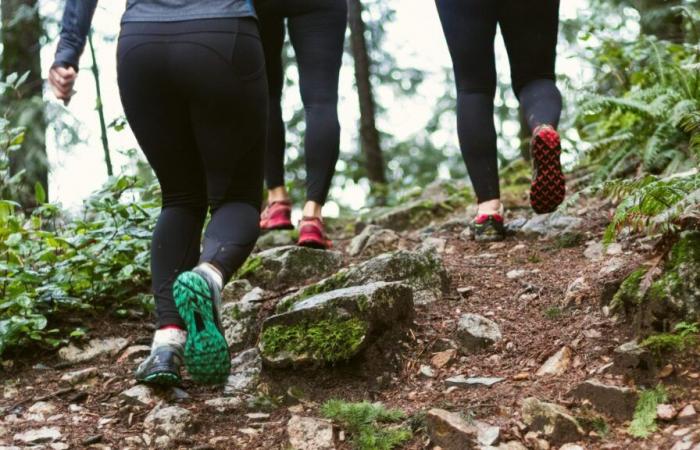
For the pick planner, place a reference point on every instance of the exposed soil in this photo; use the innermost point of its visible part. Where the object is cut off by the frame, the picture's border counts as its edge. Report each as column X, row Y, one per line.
column 530, row 311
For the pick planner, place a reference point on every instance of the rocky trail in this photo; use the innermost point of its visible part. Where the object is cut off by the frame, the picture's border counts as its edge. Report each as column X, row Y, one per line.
column 512, row 345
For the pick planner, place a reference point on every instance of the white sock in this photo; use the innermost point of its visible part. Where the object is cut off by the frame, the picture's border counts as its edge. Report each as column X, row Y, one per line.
column 169, row 336
column 212, row 273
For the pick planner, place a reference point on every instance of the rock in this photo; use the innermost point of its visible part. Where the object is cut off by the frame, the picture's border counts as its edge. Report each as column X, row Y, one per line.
column 140, row 394
column 432, row 245
column 39, row 436
column 334, row 326
column 285, row 266
column 462, row 381
column 687, row 414
column 666, row 371
column 307, row 433
column 487, row 434
column 551, row 225
column 611, row 266
column 276, row 238
column 372, row 241
column 94, row 349
column 571, row 447
column 442, row 359
column 613, row 249
column 426, row 371
column 245, row 373
column 239, row 319
column 223, row 404
column 515, row 274
column 431, row 205
column 425, row 274
column 594, row 251
column 666, row 412
column 576, row 292
column 42, row 408
column 557, row 364
column 614, row 401
column 133, row 353
column 79, row 376
column 450, row 431
column 631, row 355
column 555, row 422
column 475, row 332
column 169, row 422
column 235, row 290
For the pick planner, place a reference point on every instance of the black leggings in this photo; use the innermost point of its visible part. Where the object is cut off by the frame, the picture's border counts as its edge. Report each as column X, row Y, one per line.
column 195, row 95
column 317, row 32
column 529, row 28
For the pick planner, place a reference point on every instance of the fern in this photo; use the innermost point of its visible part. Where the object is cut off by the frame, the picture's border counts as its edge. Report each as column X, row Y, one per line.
column 651, row 124
column 653, row 205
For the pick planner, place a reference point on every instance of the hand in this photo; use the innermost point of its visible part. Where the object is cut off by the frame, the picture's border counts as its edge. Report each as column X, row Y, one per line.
column 62, row 80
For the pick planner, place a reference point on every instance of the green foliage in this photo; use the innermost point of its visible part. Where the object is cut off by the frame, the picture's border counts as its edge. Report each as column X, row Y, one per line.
column 654, row 205
column 52, row 266
column 644, row 420
column 685, row 335
column 331, row 340
column 368, row 424
column 649, row 117
column 553, row 313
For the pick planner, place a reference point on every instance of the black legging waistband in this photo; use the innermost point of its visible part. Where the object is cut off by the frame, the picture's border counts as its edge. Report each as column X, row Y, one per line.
column 244, row 25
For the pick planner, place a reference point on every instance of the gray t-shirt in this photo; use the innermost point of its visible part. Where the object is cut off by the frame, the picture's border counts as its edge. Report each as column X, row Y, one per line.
column 176, row 10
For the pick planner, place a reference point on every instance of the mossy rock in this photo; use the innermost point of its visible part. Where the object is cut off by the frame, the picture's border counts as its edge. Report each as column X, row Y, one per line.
column 437, row 200
column 276, row 238
column 334, row 326
column 291, row 265
column 673, row 297
column 239, row 319
column 422, row 272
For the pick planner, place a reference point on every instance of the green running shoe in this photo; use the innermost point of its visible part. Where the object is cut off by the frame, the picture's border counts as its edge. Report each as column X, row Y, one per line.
column 198, row 301
column 162, row 367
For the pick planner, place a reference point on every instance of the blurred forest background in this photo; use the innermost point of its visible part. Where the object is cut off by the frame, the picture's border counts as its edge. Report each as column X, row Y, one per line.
column 629, row 71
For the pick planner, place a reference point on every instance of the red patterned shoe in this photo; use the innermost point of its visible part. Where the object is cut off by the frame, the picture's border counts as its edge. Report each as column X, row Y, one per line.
column 312, row 234
column 548, row 185
column 277, row 216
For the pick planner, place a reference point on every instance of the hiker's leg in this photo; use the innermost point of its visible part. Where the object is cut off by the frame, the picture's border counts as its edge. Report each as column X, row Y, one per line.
column 158, row 114
column 318, row 37
column 470, row 29
column 272, row 35
column 530, row 30
column 229, row 115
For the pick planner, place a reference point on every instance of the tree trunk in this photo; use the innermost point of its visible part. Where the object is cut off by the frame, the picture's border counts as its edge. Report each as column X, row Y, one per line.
column 658, row 19
column 369, row 136
column 21, row 37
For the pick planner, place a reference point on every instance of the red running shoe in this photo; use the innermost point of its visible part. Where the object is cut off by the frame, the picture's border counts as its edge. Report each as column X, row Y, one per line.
column 312, row 234
column 277, row 216
column 548, row 185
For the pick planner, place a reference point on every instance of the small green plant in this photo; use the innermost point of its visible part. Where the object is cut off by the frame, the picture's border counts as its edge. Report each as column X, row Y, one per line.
column 644, row 420
column 684, row 335
column 534, row 258
column 553, row 313
column 370, row 425
column 569, row 240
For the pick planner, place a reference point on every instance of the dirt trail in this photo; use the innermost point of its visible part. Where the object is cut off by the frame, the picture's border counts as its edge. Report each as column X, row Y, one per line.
column 520, row 284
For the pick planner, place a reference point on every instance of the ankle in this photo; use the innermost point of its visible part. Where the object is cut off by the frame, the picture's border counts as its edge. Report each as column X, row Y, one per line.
column 490, row 208
column 171, row 335
column 278, row 194
column 313, row 209
column 213, row 273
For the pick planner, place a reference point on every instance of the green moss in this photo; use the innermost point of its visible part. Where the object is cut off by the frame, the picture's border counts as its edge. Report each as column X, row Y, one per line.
column 569, row 240
column 629, row 292
column 644, row 420
column 369, row 424
column 552, row 313
column 686, row 250
column 331, row 340
column 337, row 281
column 685, row 335
column 249, row 267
